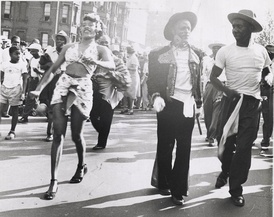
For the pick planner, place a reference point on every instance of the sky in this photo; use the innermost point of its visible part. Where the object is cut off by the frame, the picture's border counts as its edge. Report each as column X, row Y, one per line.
column 213, row 25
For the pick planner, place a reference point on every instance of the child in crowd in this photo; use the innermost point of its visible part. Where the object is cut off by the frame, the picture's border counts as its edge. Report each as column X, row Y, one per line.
column 14, row 73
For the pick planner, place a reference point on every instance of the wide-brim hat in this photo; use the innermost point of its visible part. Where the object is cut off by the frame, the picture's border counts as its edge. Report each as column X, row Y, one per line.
column 247, row 15
column 190, row 16
column 216, row 44
column 35, row 46
column 63, row 34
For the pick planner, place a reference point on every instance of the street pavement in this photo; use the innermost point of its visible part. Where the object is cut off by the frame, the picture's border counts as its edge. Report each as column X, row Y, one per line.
column 118, row 179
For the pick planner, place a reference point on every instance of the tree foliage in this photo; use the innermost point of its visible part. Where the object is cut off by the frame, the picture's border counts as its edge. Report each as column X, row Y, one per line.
column 266, row 36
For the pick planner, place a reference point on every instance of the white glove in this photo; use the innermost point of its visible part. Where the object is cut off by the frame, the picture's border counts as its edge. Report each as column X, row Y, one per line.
column 159, row 104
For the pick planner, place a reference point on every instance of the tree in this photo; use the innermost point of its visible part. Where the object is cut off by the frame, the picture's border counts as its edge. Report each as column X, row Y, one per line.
column 266, row 36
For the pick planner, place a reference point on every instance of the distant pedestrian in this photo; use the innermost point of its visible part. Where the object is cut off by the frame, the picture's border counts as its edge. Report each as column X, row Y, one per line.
column 267, row 106
column 46, row 61
column 106, row 96
column 211, row 96
column 14, row 74
column 243, row 62
column 174, row 84
column 134, row 91
column 35, row 74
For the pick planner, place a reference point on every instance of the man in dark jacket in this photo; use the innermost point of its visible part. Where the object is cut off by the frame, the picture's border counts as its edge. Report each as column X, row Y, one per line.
column 175, row 86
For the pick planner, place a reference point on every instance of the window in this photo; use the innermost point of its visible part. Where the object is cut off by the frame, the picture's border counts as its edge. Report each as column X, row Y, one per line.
column 45, row 39
column 7, row 10
column 47, row 11
column 75, row 15
column 6, row 33
column 65, row 13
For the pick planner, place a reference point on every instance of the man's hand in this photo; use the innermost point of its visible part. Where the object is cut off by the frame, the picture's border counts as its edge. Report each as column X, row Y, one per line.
column 232, row 94
column 34, row 94
column 23, row 97
column 159, row 104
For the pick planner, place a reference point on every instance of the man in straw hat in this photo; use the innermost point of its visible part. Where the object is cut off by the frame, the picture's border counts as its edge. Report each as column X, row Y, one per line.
column 50, row 56
column 174, row 84
column 211, row 96
column 243, row 62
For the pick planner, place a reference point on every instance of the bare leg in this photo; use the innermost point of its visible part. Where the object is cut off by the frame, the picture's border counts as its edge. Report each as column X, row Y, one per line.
column 59, row 126
column 77, row 124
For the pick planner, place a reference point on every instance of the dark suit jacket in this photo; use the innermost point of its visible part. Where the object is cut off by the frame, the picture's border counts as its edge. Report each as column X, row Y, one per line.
column 163, row 71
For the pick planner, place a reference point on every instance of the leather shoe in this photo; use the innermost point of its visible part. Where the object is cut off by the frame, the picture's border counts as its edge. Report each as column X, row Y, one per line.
column 238, row 201
column 221, row 181
column 164, row 192
column 177, row 201
column 97, row 147
column 23, row 120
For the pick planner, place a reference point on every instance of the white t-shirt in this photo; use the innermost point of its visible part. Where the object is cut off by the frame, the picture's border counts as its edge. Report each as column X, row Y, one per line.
column 34, row 63
column 13, row 73
column 52, row 52
column 243, row 67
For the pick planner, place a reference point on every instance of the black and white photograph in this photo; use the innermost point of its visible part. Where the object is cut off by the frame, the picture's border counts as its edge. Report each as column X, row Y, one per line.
column 137, row 108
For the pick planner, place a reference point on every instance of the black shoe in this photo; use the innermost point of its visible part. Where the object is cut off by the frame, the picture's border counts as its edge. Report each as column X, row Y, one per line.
column 221, row 181
column 5, row 115
column 97, row 147
column 177, row 201
column 23, row 120
column 238, row 201
column 79, row 174
column 50, row 195
column 164, row 192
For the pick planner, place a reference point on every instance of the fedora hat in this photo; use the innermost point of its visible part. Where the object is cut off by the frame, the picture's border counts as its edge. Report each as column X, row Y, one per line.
column 63, row 34
column 247, row 15
column 216, row 44
column 190, row 16
column 35, row 46
column 130, row 50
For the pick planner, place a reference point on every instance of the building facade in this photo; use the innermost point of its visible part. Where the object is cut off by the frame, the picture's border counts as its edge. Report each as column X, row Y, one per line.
column 42, row 19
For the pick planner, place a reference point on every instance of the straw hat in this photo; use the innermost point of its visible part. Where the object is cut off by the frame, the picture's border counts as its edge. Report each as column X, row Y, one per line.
column 247, row 15
column 63, row 34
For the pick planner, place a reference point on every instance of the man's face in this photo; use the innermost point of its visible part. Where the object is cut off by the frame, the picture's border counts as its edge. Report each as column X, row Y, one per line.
column 60, row 41
column 15, row 56
column 241, row 30
column 181, row 31
column 15, row 42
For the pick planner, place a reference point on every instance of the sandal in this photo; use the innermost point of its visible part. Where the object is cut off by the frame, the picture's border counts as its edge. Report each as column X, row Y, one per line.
column 10, row 136
column 79, row 174
column 50, row 195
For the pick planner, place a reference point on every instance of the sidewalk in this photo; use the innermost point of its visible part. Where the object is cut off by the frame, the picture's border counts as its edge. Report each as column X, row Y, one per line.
column 118, row 180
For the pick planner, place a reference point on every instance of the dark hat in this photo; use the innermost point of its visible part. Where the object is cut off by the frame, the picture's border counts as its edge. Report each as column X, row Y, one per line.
column 63, row 34
column 190, row 16
column 247, row 15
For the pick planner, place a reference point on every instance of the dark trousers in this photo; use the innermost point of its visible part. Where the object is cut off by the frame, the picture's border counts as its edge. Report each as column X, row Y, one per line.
column 101, row 117
column 267, row 113
column 211, row 100
column 29, row 102
column 173, row 126
column 236, row 160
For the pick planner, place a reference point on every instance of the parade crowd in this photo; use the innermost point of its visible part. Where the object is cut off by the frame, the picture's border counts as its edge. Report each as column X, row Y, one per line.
column 85, row 81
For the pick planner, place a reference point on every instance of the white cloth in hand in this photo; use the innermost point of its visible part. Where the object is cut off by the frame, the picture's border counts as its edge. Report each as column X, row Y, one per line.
column 159, row 104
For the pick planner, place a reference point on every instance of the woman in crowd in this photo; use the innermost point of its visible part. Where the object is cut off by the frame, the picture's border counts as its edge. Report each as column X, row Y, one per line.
column 73, row 94
column 134, row 90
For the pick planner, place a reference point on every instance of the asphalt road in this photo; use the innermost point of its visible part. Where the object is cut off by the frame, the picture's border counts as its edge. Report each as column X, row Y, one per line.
column 118, row 181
